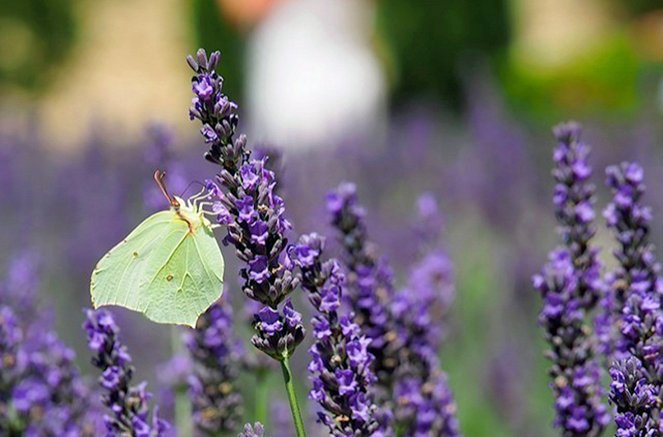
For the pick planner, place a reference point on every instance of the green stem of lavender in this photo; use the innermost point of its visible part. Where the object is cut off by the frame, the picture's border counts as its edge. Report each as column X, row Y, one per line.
column 262, row 397
column 292, row 398
column 183, row 422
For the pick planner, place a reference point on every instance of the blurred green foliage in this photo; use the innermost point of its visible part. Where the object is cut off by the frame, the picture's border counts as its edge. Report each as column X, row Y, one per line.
column 35, row 36
column 427, row 43
column 603, row 80
column 639, row 6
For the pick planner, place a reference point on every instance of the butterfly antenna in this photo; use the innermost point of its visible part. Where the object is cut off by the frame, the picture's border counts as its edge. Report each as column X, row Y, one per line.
column 189, row 186
column 159, row 178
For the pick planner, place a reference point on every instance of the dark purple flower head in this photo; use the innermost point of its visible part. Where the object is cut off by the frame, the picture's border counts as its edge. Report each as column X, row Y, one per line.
column 127, row 404
column 571, row 287
column 635, row 398
column 279, row 332
column 216, row 356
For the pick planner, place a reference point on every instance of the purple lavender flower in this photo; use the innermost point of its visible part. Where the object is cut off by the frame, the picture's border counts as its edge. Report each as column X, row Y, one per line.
column 41, row 391
column 127, row 404
column 407, row 368
column 40, row 385
column 159, row 155
column 340, row 369
column 570, row 286
column 251, row 210
column 216, row 355
column 370, row 285
column 20, row 285
column 12, row 359
column 635, row 303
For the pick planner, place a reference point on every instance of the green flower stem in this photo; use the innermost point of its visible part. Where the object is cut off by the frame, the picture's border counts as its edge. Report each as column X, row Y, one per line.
column 183, row 422
column 292, row 398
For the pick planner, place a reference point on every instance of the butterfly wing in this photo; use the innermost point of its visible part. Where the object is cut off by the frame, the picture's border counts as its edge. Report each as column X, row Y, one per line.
column 158, row 270
column 183, row 277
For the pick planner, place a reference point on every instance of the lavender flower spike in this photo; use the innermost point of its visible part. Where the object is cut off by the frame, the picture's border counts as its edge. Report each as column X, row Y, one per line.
column 370, row 286
column 425, row 402
column 245, row 202
column 216, row 355
column 636, row 291
column 410, row 382
column 127, row 403
column 570, row 287
column 253, row 213
column 340, row 369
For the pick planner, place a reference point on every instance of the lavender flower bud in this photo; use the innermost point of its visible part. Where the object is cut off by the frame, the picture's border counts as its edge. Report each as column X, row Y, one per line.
column 127, row 403
column 216, row 357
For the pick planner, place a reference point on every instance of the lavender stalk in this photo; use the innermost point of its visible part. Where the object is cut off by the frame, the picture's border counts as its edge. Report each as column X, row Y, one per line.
column 340, row 369
column 216, row 355
column 636, row 292
column 570, row 286
column 245, row 202
column 127, row 403
column 408, row 376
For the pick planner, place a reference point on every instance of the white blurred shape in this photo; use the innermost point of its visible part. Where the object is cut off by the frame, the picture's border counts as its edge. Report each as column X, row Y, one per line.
column 313, row 74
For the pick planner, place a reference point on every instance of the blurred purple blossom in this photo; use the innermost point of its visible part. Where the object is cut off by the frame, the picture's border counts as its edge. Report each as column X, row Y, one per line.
column 570, row 285
column 216, row 356
column 127, row 404
column 633, row 306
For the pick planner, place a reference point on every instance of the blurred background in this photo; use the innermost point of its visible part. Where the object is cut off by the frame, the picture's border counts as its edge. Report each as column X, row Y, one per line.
column 450, row 97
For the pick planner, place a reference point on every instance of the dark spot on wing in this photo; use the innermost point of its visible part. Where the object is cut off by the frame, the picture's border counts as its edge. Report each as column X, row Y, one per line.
column 169, row 277
column 135, row 254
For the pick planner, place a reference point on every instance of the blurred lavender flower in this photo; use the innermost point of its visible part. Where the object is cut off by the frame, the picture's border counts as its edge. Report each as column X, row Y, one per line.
column 429, row 224
column 128, row 404
column 250, row 209
column 159, row 155
column 279, row 415
column 407, row 367
column 576, row 377
column 340, row 369
column 216, row 355
column 41, row 391
column 425, row 404
column 19, row 288
column 370, row 286
column 12, row 358
column 255, row 430
column 635, row 300
column 570, row 285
